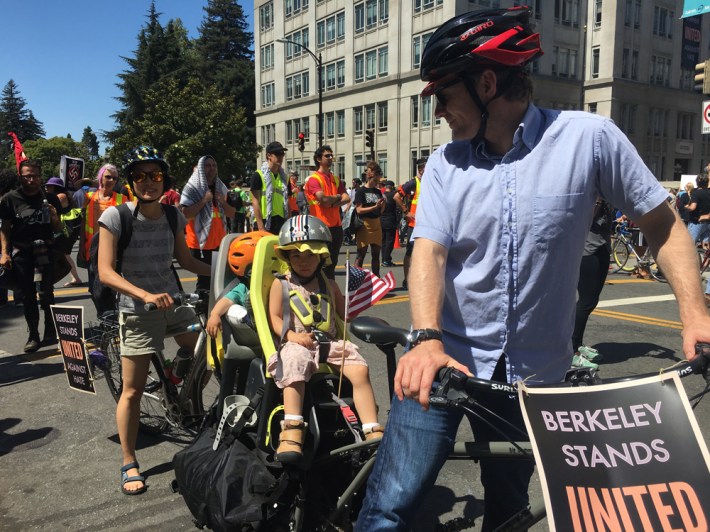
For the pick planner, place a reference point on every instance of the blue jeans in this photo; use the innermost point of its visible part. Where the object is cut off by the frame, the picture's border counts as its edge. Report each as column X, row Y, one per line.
column 414, row 448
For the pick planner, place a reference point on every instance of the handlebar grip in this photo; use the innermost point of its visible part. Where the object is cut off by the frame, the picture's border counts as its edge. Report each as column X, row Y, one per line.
column 150, row 306
column 701, row 361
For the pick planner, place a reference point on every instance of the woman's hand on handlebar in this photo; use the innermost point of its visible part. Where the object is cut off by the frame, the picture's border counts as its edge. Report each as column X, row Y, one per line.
column 157, row 301
column 417, row 370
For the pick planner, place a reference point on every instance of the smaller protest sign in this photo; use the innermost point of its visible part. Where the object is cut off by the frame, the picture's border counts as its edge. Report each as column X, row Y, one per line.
column 623, row 456
column 69, row 323
column 71, row 171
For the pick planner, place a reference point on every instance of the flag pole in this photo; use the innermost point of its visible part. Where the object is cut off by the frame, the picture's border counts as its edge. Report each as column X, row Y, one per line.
column 345, row 318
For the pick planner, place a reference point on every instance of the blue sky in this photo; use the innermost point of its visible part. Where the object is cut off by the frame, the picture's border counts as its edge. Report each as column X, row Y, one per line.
column 65, row 55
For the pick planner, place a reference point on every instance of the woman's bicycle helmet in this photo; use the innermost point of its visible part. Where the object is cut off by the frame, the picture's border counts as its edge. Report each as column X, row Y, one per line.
column 143, row 154
column 241, row 252
column 494, row 38
column 304, row 232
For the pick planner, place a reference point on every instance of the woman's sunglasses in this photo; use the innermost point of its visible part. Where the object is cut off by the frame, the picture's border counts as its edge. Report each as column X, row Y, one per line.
column 156, row 176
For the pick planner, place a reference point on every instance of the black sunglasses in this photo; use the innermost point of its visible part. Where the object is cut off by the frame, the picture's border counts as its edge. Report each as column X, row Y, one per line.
column 156, row 176
column 443, row 100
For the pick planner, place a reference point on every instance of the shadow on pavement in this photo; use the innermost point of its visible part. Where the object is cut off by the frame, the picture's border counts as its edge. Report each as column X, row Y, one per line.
column 22, row 368
column 621, row 352
column 441, row 501
column 29, row 438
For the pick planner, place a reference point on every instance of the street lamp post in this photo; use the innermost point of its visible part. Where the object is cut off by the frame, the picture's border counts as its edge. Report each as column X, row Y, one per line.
column 319, row 65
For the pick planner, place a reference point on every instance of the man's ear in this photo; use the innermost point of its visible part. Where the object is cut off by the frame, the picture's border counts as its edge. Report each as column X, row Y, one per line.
column 488, row 83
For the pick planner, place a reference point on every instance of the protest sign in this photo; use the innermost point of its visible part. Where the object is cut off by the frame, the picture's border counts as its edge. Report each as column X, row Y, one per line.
column 624, row 456
column 71, row 171
column 69, row 323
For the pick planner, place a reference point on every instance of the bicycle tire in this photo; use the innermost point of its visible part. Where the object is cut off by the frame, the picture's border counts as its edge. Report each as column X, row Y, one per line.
column 620, row 254
column 152, row 409
column 110, row 346
column 205, row 385
column 656, row 272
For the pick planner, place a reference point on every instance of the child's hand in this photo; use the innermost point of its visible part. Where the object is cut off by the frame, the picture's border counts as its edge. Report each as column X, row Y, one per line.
column 304, row 339
column 214, row 326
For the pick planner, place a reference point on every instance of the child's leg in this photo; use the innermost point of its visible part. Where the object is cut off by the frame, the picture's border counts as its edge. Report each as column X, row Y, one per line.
column 293, row 398
column 363, row 395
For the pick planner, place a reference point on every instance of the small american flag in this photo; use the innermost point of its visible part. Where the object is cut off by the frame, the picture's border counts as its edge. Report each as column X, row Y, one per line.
column 365, row 289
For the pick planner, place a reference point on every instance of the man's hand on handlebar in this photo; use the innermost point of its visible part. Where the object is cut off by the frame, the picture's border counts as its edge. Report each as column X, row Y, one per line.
column 696, row 333
column 418, row 368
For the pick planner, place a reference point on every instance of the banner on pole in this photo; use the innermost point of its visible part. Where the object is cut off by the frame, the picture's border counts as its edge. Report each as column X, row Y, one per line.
column 623, row 456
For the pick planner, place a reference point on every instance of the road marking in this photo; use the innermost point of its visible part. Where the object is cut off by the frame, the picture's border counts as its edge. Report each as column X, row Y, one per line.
column 635, row 301
column 647, row 320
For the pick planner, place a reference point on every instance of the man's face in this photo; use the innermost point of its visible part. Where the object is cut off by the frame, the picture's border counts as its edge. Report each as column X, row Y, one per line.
column 326, row 160
column 30, row 180
column 276, row 158
column 210, row 166
column 420, row 169
column 454, row 104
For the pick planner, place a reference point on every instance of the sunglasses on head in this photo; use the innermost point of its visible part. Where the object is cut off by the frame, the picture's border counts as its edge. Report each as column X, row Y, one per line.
column 443, row 100
column 156, row 176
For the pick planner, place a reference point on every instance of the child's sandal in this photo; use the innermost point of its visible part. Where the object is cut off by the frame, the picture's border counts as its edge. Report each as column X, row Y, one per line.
column 374, row 433
column 291, row 441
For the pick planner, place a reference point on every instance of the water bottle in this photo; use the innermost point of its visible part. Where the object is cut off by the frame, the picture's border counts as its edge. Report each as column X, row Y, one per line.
column 182, row 362
column 169, row 370
column 45, row 212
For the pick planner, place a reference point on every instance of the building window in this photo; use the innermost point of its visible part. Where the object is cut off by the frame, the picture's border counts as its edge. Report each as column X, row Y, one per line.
column 267, row 57
column 299, row 37
column 597, row 13
column 294, row 7
column 634, row 64
column 333, row 75
column 660, row 70
column 564, row 62
column 663, row 22
column 566, row 12
column 595, row 62
column 371, row 13
column 371, row 64
column 359, row 18
column 423, row 5
column 330, row 125
column 340, row 123
column 382, row 116
column 628, row 12
column 637, row 14
column 426, row 111
column 340, row 167
column 625, row 63
column 357, row 119
column 294, row 127
column 370, row 116
column 268, row 134
column 415, row 111
column 267, row 94
column 592, row 108
column 297, row 86
column 266, row 16
column 418, row 45
column 627, row 123
column 382, row 161
column 330, row 29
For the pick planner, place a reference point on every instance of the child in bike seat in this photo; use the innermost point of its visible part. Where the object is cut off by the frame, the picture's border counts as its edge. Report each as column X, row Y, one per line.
column 313, row 315
column 234, row 302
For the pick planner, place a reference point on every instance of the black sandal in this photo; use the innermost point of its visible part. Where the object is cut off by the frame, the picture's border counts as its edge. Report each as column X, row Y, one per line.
column 137, row 478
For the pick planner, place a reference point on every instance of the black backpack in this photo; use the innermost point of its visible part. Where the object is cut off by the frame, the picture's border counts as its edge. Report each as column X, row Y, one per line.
column 103, row 297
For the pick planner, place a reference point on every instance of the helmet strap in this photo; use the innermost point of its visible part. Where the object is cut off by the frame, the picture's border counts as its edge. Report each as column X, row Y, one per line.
column 501, row 88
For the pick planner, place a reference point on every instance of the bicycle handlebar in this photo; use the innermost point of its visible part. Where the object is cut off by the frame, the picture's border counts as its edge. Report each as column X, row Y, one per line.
column 192, row 299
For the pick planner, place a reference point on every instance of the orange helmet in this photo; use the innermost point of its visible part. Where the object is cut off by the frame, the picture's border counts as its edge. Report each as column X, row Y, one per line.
column 241, row 251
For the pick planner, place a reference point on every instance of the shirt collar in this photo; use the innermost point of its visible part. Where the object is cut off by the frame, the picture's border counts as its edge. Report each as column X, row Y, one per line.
column 525, row 135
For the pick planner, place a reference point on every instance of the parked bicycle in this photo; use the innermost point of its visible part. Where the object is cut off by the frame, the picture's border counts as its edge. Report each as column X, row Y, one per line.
column 179, row 390
column 626, row 258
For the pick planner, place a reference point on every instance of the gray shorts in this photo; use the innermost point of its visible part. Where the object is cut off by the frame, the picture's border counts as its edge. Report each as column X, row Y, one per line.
column 144, row 334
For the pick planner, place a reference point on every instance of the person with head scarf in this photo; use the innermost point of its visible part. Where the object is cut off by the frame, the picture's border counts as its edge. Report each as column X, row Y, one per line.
column 204, row 204
column 96, row 203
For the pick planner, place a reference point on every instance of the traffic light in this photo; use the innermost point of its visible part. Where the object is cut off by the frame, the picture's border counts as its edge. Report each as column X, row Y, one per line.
column 702, row 77
column 370, row 138
column 301, row 141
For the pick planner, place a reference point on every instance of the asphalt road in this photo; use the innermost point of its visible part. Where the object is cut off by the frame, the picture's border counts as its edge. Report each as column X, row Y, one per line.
column 59, row 452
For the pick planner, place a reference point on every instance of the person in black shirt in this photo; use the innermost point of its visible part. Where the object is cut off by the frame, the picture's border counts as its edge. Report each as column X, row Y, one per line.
column 388, row 221
column 698, row 207
column 27, row 233
column 369, row 204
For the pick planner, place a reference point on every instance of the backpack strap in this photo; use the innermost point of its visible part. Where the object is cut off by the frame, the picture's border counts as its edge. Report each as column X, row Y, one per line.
column 124, row 238
column 171, row 214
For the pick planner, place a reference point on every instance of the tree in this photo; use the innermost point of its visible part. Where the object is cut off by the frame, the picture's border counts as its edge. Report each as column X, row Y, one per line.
column 188, row 122
column 161, row 52
column 15, row 117
column 89, row 140
column 225, row 51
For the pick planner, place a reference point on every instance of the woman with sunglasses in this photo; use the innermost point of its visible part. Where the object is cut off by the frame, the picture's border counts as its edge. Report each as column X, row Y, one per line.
column 145, row 277
column 95, row 205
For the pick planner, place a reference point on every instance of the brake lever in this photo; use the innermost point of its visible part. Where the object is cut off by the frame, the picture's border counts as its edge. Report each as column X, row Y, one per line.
column 447, row 394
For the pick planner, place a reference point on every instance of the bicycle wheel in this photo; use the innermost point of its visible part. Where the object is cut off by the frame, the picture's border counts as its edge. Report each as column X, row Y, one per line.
column 656, row 272
column 205, row 386
column 152, row 410
column 620, row 254
column 110, row 346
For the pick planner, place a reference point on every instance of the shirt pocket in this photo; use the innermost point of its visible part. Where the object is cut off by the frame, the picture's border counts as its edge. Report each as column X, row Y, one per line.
column 553, row 220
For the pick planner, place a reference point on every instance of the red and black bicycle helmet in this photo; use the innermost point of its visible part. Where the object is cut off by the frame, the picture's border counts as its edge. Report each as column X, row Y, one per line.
column 492, row 38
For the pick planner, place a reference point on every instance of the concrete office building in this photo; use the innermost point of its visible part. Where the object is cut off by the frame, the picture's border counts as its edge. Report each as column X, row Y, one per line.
column 631, row 60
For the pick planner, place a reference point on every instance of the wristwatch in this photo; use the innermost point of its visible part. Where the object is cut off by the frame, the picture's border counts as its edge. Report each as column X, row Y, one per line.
column 418, row 336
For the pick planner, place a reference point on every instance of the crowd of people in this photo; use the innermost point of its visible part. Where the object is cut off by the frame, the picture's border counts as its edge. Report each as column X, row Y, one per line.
column 492, row 293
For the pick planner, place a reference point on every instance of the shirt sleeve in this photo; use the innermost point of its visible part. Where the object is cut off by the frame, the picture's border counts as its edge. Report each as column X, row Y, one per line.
column 312, row 186
column 256, row 183
column 111, row 220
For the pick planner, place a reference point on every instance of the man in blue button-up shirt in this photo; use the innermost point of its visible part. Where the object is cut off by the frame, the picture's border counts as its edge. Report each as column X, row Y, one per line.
column 501, row 224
